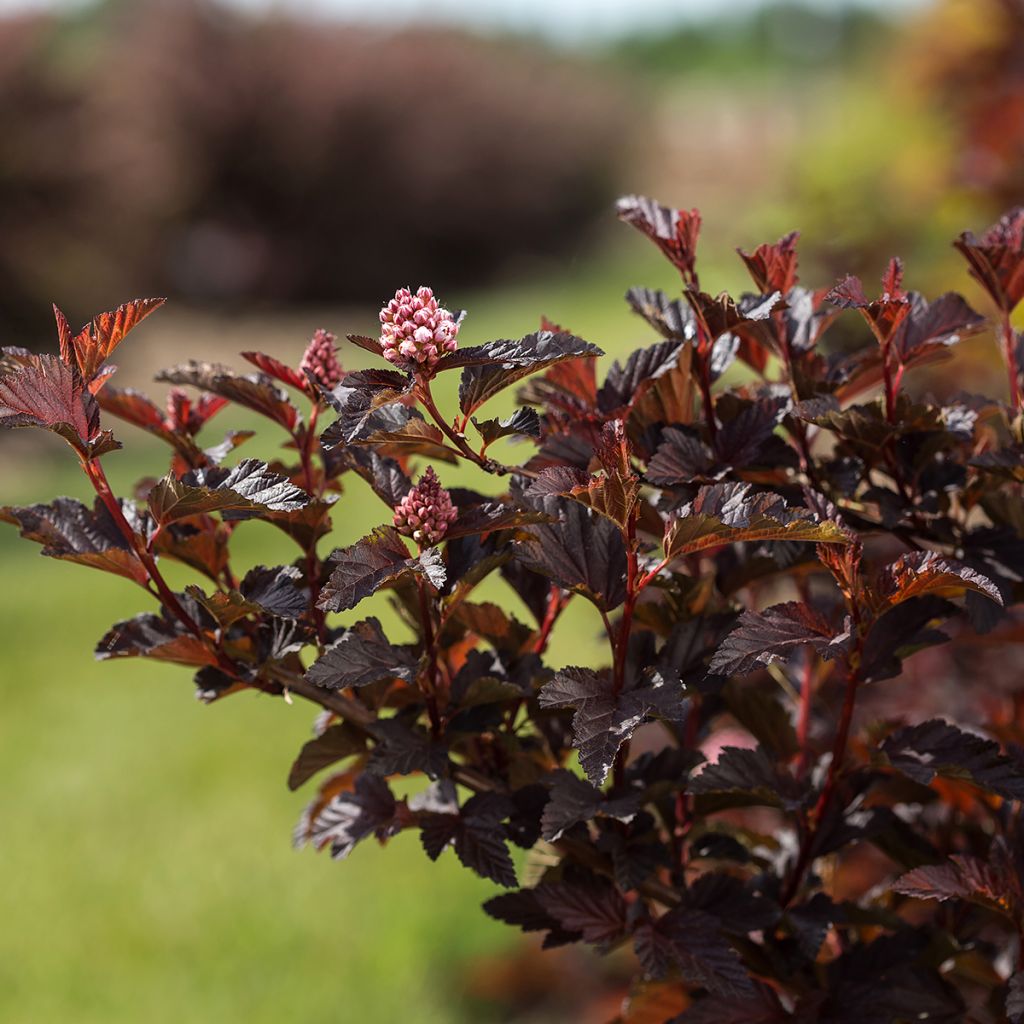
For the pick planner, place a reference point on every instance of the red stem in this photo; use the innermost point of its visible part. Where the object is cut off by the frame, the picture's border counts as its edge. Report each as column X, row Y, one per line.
column 429, row 641
column 821, row 807
column 98, row 478
column 1010, row 354
column 554, row 609
column 803, row 724
column 305, row 445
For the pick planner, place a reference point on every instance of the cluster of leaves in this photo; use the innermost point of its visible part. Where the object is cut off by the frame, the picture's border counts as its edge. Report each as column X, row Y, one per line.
column 723, row 800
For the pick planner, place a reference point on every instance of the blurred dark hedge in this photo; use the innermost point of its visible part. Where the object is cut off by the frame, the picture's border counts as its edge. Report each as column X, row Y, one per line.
column 171, row 146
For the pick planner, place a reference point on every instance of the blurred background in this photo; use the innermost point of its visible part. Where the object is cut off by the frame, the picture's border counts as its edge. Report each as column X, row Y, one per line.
column 277, row 167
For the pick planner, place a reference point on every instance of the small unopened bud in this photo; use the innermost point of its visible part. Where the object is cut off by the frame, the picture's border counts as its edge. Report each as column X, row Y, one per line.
column 426, row 512
column 320, row 360
column 415, row 331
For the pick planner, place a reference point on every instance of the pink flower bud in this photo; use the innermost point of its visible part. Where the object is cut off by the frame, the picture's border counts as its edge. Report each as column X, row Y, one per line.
column 415, row 331
column 320, row 359
column 426, row 512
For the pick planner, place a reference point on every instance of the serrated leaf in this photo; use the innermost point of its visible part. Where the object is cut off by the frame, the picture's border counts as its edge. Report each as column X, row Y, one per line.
column 681, row 458
column 479, row 838
column 279, row 590
column 730, row 513
column 48, row 393
column 98, row 339
column 332, row 745
column 255, row 391
column 351, row 816
column 626, row 383
column 523, row 910
column 581, row 552
column 403, row 748
column 378, row 559
column 493, row 515
column 937, row 748
column 927, row 572
column 671, row 318
column 992, row 882
column 387, row 478
column 276, row 369
column 496, row 365
column 70, row 531
column 760, row 1008
column 595, row 908
column 944, row 321
column 363, row 655
column 247, row 489
column 604, row 719
column 675, row 232
column 763, row 637
column 691, row 942
column 155, row 636
column 574, row 800
column 749, row 778
column 1015, row 998
column 773, row 265
column 523, row 422
column 884, row 314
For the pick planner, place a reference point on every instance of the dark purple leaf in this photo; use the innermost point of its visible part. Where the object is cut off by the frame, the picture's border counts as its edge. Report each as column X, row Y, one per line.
column 378, row 559
column 70, row 531
column 255, row 391
column 626, row 383
column 574, row 800
column 748, row 778
column 671, row 318
column 334, row 744
column 363, row 655
column 492, row 367
column 279, row 591
column 772, row 635
column 937, row 748
column 691, row 942
column 524, row 422
column 581, row 552
column 249, row 488
column 729, row 513
column 594, row 908
column 604, row 719
column 351, row 816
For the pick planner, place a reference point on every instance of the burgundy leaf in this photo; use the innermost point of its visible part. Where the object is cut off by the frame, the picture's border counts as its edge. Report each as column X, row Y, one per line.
column 604, row 719
column 255, row 391
column 378, row 559
column 362, row 655
column 772, row 635
column 334, row 744
column 70, row 531
column 773, row 265
column 675, row 232
column 48, row 393
column 248, row 488
column 934, row 748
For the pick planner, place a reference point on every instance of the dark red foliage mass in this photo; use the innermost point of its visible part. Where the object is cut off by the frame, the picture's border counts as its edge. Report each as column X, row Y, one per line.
column 758, row 799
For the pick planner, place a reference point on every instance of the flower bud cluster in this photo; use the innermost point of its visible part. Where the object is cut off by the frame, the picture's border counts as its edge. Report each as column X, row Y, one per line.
column 415, row 330
column 426, row 512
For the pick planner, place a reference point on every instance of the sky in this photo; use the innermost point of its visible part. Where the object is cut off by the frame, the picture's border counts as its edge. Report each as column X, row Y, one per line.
column 563, row 20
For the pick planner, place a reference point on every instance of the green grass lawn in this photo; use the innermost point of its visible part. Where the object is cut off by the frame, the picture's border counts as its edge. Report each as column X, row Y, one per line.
column 148, row 873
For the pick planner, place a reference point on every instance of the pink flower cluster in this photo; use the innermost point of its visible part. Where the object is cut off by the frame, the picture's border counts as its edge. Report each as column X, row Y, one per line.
column 320, row 359
column 426, row 511
column 415, row 331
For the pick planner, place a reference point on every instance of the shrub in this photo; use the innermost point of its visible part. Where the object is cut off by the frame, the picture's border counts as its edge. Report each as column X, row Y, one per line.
column 751, row 794
column 219, row 154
